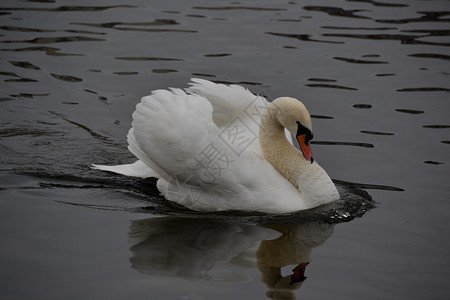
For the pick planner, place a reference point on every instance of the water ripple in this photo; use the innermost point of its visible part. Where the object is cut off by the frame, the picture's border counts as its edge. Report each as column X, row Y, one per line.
column 424, row 89
column 428, row 16
column 144, row 58
column 364, row 145
column 331, row 86
column 436, row 126
column 321, row 117
column 79, row 125
column 384, row 4
column 217, row 55
column 376, row 132
column 410, row 111
column 163, row 71
column 17, row 78
column 369, row 186
column 24, row 64
column 66, row 78
column 101, row 98
column 359, row 61
column 431, row 162
column 124, row 26
column 302, row 37
column 336, row 11
column 238, row 8
column 403, row 38
column 431, row 55
column 28, row 95
column 51, row 51
column 67, row 8
column 51, row 40
column 24, row 29
column 321, row 80
column 364, row 106
column 358, row 28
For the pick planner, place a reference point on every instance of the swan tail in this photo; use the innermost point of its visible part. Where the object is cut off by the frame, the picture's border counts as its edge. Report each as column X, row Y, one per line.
column 136, row 169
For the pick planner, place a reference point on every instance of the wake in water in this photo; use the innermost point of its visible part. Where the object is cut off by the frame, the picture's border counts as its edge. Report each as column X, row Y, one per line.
column 141, row 195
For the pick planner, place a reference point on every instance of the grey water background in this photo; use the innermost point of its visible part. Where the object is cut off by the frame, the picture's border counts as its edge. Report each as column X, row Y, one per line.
column 373, row 74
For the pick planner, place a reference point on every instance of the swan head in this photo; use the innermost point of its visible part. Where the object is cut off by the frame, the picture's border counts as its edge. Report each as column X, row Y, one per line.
column 294, row 116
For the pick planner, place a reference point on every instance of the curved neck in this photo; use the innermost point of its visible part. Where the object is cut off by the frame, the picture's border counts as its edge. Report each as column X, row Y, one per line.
column 277, row 150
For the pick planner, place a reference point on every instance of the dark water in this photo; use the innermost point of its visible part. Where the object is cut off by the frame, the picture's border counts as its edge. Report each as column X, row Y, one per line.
column 374, row 75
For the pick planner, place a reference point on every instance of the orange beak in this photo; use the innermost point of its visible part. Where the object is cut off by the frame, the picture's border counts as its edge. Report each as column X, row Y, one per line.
column 305, row 147
column 299, row 273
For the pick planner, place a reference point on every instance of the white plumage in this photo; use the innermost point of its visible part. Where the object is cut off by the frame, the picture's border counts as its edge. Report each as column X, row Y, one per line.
column 204, row 146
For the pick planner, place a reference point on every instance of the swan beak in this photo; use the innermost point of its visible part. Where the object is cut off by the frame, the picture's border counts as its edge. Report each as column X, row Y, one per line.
column 299, row 273
column 305, row 147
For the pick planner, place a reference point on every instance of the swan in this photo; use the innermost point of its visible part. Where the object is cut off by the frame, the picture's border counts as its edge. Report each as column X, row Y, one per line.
column 216, row 147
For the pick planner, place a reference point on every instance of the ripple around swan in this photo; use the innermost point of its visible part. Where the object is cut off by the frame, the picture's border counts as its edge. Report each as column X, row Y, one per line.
column 139, row 196
column 354, row 203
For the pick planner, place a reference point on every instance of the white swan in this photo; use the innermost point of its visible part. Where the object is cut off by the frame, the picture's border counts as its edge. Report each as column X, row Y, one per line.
column 216, row 147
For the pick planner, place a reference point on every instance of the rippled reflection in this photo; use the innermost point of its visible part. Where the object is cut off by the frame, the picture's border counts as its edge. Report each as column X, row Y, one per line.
column 204, row 249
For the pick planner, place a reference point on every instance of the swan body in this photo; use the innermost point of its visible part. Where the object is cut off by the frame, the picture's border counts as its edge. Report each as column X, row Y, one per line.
column 216, row 147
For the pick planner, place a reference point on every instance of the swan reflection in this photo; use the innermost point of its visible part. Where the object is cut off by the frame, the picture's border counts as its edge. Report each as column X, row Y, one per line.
column 205, row 249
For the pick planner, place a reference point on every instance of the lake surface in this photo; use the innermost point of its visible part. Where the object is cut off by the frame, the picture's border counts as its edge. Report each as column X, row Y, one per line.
column 374, row 74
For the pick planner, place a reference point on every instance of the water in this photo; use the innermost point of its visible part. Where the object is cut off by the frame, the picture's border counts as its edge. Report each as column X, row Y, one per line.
column 374, row 75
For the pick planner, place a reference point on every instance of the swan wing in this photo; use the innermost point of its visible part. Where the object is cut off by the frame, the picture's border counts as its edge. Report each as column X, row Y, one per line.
column 169, row 129
column 233, row 102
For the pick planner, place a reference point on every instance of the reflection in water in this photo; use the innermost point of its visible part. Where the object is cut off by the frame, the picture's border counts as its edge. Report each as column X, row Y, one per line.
column 204, row 249
column 292, row 248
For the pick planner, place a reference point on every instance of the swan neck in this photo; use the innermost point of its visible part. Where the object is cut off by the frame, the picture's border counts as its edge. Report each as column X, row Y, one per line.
column 276, row 148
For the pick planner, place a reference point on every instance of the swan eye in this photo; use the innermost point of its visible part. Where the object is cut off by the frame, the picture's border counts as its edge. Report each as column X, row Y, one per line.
column 303, row 130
